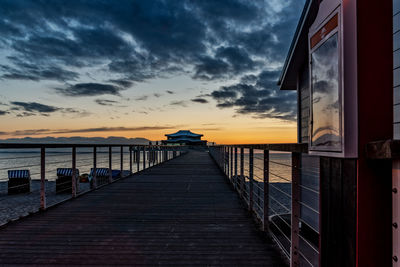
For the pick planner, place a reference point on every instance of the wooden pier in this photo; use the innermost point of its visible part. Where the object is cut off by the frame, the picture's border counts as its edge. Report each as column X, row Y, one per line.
column 182, row 212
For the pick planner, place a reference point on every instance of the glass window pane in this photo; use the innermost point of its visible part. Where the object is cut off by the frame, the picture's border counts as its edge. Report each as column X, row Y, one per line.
column 326, row 133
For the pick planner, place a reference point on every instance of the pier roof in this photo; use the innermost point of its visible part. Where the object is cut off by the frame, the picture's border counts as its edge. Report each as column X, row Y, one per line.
column 187, row 133
column 298, row 48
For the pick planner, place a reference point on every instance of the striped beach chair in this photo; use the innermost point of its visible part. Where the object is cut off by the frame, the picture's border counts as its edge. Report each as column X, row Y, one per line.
column 64, row 180
column 103, row 174
column 19, row 181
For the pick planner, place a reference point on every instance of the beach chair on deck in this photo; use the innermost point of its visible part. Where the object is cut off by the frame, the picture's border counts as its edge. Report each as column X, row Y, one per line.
column 103, row 174
column 64, row 180
column 19, row 181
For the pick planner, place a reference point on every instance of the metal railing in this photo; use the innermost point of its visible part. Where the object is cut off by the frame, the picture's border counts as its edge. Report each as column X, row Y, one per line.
column 44, row 188
column 268, row 179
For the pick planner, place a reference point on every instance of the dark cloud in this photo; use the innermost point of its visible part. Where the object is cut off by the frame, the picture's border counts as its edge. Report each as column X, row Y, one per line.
column 27, row 109
column 106, row 102
column 3, row 112
column 199, row 100
column 122, row 82
column 35, row 107
column 89, row 89
column 20, row 70
column 178, row 103
column 141, row 40
column 142, row 98
column 157, row 95
column 87, row 130
column 261, row 99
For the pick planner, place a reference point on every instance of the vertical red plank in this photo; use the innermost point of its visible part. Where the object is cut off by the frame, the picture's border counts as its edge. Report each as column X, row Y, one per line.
column 294, row 253
column 396, row 212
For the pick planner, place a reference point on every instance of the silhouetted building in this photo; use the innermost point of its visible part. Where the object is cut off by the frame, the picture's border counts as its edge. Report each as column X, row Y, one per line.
column 184, row 137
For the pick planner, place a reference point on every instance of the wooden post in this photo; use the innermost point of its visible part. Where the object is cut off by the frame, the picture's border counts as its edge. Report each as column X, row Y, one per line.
column 242, row 180
column 251, row 178
column 74, row 184
column 43, row 178
column 110, row 179
column 149, row 157
column 231, row 159
column 94, row 168
column 130, row 160
column 138, row 158
column 122, row 162
column 236, row 169
column 144, row 157
column 266, row 191
column 294, row 254
column 396, row 212
column 224, row 159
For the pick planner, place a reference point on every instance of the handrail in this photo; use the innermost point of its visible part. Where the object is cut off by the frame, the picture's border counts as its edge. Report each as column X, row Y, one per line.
column 289, row 147
column 140, row 157
column 64, row 145
column 282, row 198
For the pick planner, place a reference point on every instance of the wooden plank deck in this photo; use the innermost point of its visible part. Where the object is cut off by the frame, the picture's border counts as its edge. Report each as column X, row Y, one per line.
column 182, row 212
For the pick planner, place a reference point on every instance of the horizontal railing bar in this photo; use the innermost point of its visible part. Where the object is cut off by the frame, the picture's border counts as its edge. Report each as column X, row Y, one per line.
column 309, row 189
column 305, row 258
column 38, row 145
column 281, row 245
column 290, row 147
column 309, row 244
column 281, row 204
column 281, row 177
column 307, row 206
column 277, row 214
column 279, row 163
column 283, row 192
column 281, row 230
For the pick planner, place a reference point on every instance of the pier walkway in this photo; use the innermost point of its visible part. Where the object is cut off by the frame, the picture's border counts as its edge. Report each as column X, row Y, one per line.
column 182, row 212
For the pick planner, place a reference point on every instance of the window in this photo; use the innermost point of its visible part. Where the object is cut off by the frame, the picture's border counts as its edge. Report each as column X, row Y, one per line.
column 325, row 99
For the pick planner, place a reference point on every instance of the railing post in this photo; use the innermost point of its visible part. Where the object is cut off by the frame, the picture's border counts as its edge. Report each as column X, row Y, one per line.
column 225, row 161
column 236, row 169
column 130, row 160
column 231, row 159
column 266, row 191
column 138, row 158
column 110, row 164
column 242, row 179
column 294, row 254
column 144, row 157
column 149, row 157
column 396, row 212
column 74, row 184
column 251, row 178
column 157, row 154
column 122, row 162
column 42, row 178
column 94, row 168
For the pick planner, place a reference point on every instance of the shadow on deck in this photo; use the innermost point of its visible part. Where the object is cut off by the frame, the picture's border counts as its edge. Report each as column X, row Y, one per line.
column 182, row 212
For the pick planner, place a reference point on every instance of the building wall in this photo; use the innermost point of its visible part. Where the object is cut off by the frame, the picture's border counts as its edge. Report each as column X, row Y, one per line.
column 304, row 109
column 396, row 67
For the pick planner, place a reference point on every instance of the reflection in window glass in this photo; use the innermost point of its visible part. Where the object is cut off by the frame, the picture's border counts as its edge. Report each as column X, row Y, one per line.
column 325, row 96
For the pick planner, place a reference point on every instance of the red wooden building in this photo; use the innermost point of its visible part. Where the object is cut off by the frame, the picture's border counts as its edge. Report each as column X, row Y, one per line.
column 344, row 64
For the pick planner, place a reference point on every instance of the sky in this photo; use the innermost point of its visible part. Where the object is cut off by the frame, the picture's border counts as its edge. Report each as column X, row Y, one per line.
column 140, row 68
